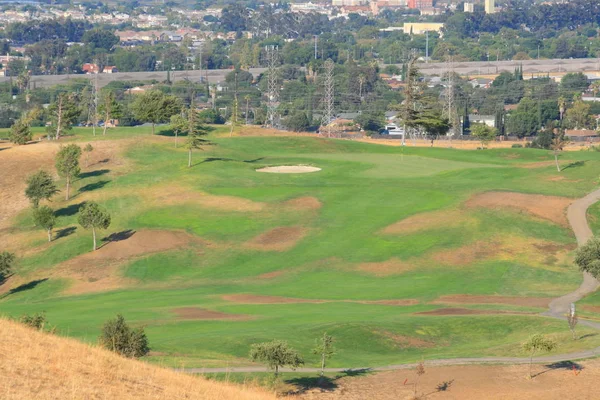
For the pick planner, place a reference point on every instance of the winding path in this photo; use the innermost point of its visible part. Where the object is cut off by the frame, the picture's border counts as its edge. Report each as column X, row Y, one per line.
column 577, row 216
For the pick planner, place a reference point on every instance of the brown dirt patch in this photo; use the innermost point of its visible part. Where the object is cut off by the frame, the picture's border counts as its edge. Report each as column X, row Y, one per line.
column 539, row 164
column 98, row 270
column 277, row 239
column 550, row 208
column 271, row 275
column 594, row 309
column 389, row 267
column 541, row 302
column 467, row 311
column 404, row 342
column 400, row 302
column 428, row 220
column 303, row 203
column 259, row 299
column 201, row 313
column 470, row 382
column 468, row 254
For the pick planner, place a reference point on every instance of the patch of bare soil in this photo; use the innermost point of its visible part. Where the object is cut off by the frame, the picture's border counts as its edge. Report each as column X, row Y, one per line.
column 551, row 208
column 389, row 267
column 472, row 382
column 271, row 275
column 277, row 239
column 98, row 270
column 541, row 302
column 594, row 309
column 539, row 164
column 399, row 302
column 201, row 313
column 289, row 169
column 428, row 220
column 466, row 255
column 303, row 203
column 467, row 311
column 259, row 299
column 404, row 342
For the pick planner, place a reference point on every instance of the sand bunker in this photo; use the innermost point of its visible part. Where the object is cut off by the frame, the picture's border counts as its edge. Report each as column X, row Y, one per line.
column 541, row 302
column 289, row 169
column 97, row 270
column 429, row 220
column 550, row 208
column 201, row 313
column 467, row 311
column 277, row 239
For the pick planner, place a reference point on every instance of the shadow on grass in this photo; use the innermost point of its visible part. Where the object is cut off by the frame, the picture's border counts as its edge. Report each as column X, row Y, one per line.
column 588, row 335
column 324, row 383
column 24, row 287
column 68, row 211
column 64, row 232
column 98, row 172
column 574, row 165
column 213, row 159
column 118, row 236
column 93, row 186
column 566, row 365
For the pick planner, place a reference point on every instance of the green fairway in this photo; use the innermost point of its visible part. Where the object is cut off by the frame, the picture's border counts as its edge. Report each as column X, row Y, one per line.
column 339, row 255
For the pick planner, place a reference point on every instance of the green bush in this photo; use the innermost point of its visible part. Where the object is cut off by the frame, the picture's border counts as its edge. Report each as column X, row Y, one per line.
column 517, row 146
column 117, row 336
column 36, row 321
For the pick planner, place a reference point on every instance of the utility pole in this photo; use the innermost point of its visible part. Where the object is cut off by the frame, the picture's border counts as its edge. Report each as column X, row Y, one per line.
column 93, row 106
column 316, row 47
column 426, row 47
column 247, row 98
column 328, row 96
column 234, row 115
column 273, row 88
column 450, row 106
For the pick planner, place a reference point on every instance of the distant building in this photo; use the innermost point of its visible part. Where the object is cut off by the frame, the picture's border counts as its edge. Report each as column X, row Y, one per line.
column 490, row 6
column 110, row 69
column 89, row 68
column 469, row 7
column 419, row 28
column 420, row 4
column 580, row 133
column 489, row 120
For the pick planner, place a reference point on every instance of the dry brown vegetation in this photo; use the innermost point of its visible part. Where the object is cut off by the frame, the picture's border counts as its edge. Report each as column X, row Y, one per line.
column 541, row 302
column 277, row 239
column 196, row 313
column 550, row 208
column 35, row 365
column 429, row 220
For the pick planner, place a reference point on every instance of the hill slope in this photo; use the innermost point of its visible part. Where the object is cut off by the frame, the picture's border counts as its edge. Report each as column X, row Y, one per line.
column 43, row 366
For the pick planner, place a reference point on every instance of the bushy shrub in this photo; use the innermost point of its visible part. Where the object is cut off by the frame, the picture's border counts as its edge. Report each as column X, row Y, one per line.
column 517, row 146
column 117, row 336
column 36, row 321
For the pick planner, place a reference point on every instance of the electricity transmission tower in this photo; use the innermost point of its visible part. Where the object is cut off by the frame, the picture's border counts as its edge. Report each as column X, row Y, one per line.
column 273, row 87
column 328, row 96
column 450, row 111
column 93, row 105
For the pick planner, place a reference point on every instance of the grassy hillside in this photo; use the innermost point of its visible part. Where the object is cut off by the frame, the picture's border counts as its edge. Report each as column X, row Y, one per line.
column 380, row 249
column 42, row 366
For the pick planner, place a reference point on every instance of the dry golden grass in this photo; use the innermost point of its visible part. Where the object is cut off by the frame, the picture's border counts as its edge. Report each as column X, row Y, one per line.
column 35, row 365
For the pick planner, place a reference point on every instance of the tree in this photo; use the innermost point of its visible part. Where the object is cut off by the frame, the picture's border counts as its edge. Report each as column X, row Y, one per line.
column 195, row 131
column 178, row 125
column 45, row 218
column 63, row 113
column 40, row 186
column 587, row 257
column 558, row 143
column 324, row 349
column 109, row 109
column 297, row 122
column 484, row 133
column 577, row 82
column 92, row 216
column 370, row 121
column 434, row 124
column 19, row 132
column 276, row 354
column 87, row 149
column 155, row 107
column 578, row 116
column 117, row 336
column 420, row 371
column 7, row 261
column 67, row 163
column 537, row 342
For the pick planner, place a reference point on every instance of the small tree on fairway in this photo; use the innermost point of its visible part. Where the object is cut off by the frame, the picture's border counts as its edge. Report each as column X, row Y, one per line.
column 109, row 109
column 63, row 113
column 537, row 343
column 67, row 163
column 484, row 133
column 276, row 354
column 7, row 261
column 87, row 149
column 558, row 144
column 178, row 125
column 155, row 107
column 40, row 186
column 587, row 257
column 45, row 218
column 324, row 349
column 420, row 371
column 195, row 132
column 117, row 336
column 20, row 132
column 92, row 216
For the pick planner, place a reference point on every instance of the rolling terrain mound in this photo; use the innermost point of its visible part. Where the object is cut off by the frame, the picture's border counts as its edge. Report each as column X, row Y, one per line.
column 36, row 365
